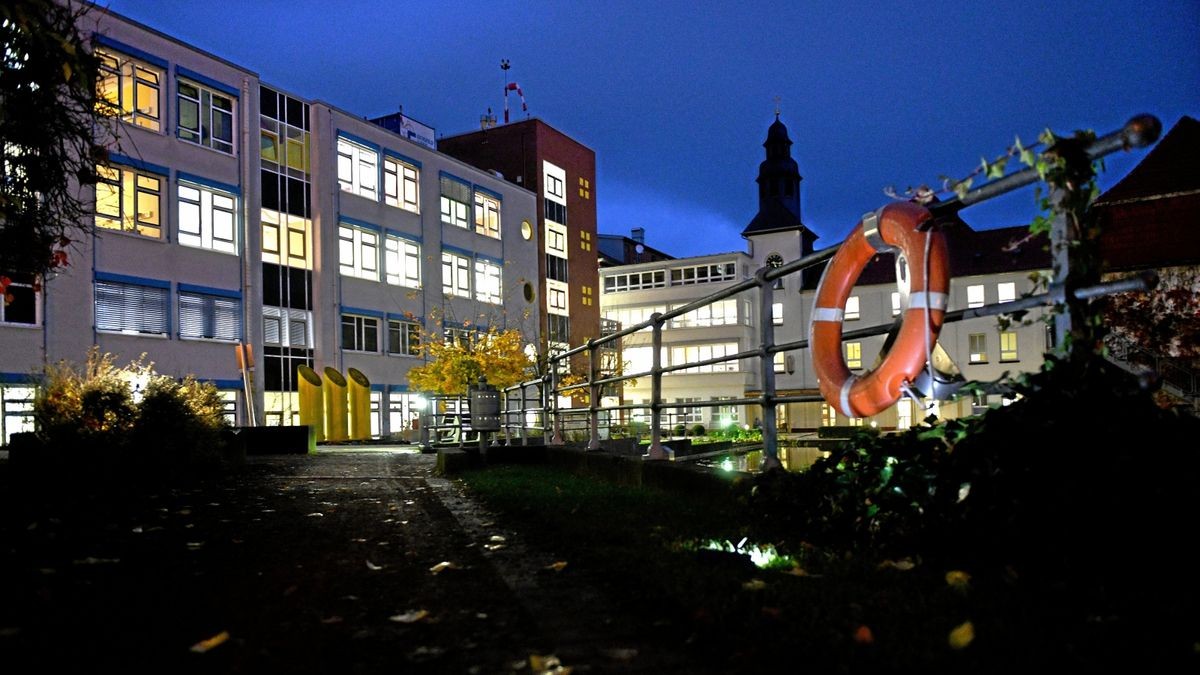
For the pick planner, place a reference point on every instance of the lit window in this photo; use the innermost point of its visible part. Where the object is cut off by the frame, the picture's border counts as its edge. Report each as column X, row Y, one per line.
column 360, row 333
column 828, row 415
column 634, row 281
column 585, row 240
column 703, row 274
column 895, row 303
column 487, row 281
column 554, row 205
column 977, row 348
column 851, row 308
column 777, row 313
column 358, row 252
column 357, row 168
column 129, row 89
column 854, row 355
column 208, row 219
column 487, row 215
column 456, row 201
column 585, row 188
column 286, row 327
column 456, row 275
column 556, row 239
column 132, row 307
column 556, row 299
column 19, row 301
column 211, row 316
column 779, row 362
column 129, row 200
column 904, row 413
column 719, row 313
column 975, row 296
column 1007, row 291
column 1008, row 346
column 402, row 261
column 205, row 117
column 285, row 239
column 404, row 338
column 694, row 353
column 586, row 292
column 16, row 411
column 401, row 184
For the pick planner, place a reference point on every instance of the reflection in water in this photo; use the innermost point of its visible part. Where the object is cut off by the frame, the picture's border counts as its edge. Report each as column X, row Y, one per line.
column 793, row 459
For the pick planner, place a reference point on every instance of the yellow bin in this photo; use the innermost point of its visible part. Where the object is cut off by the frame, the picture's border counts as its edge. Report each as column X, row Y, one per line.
column 335, row 406
column 360, row 405
column 312, row 403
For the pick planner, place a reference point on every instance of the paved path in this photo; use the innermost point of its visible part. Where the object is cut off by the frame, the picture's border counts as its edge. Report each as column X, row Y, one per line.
column 306, row 564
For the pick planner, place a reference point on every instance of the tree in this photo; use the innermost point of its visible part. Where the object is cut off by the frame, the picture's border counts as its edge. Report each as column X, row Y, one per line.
column 454, row 365
column 49, row 122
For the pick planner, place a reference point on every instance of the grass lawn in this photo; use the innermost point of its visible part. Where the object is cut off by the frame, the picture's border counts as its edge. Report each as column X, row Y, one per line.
column 825, row 614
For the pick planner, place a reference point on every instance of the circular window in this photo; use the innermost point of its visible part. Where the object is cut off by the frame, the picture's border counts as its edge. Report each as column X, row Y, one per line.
column 526, row 230
column 775, row 260
column 529, row 292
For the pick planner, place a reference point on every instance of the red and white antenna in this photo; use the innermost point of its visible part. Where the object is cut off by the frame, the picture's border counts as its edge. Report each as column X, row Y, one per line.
column 511, row 86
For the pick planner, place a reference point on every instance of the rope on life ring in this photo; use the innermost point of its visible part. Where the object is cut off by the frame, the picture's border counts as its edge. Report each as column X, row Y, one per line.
column 896, row 228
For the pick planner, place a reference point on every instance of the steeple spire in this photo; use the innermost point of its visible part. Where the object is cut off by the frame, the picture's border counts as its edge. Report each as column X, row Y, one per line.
column 778, row 184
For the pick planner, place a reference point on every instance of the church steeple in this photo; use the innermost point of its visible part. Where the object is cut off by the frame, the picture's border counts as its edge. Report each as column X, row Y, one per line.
column 778, row 187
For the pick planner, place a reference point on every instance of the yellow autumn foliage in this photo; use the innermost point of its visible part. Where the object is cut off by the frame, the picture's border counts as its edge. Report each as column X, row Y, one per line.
column 453, row 366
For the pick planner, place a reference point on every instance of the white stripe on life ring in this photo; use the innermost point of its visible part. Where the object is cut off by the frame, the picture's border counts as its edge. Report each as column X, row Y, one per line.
column 833, row 314
column 917, row 299
column 844, row 396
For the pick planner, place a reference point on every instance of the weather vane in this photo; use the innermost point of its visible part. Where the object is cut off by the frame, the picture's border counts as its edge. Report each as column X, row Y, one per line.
column 777, row 100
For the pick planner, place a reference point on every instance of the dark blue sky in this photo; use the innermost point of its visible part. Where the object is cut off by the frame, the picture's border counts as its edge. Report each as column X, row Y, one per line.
column 676, row 97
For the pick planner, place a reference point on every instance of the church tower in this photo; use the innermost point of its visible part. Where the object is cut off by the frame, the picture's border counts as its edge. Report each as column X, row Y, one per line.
column 777, row 227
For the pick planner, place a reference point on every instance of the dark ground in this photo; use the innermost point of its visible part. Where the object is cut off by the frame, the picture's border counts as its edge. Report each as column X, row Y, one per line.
column 303, row 561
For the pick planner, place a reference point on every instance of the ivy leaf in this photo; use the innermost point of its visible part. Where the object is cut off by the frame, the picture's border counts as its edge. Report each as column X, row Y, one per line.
column 996, row 170
column 962, row 187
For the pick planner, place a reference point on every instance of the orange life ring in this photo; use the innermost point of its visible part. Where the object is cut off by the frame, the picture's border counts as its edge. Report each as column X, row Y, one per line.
column 895, row 228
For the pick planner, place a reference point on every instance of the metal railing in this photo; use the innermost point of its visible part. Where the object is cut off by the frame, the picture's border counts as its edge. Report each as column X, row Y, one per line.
column 1138, row 132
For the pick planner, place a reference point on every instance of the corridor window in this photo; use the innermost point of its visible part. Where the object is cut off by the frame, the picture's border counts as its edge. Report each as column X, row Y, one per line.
column 19, row 301
column 404, row 338
column 777, row 313
column 852, row 308
column 207, row 218
column 129, row 200
column 895, row 303
column 1006, row 292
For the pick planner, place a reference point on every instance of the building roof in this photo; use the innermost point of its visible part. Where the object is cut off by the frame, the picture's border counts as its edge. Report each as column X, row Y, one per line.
column 1168, row 169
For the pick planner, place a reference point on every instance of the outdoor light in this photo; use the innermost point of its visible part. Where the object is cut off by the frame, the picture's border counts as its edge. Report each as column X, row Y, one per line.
column 419, row 402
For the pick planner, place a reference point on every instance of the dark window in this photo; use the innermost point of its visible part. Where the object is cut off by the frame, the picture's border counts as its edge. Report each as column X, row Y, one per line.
column 559, row 328
column 556, row 268
column 555, row 211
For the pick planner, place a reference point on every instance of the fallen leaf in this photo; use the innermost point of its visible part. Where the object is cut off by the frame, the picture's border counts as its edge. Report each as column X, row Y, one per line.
column 315, row 514
column 411, row 616
column 332, row 619
column 96, row 561
column 211, row 643
column 864, row 636
column 493, row 547
column 556, row 566
column 958, row 579
column 495, row 538
column 962, row 635
column 195, row 545
column 621, row 653
column 359, row 540
column 137, row 530
column 444, row 565
column 547, row 665
column 373, row 567
column 904, row 564
column 754, row 585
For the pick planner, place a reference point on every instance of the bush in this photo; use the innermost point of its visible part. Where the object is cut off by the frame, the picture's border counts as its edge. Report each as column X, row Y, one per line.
column 680, row 430
column 90, row 413
column 698, row 430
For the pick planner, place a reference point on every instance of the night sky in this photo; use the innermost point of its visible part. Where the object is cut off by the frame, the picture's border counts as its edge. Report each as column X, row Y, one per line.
column 676, row 97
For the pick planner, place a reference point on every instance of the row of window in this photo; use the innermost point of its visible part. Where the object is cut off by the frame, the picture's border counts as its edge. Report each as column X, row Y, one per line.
column 145, row 308
column 360, row 333
column 639, row 359
column 457, row 198
column 131, row 200
column 720, row 313
column 132, row 90
column 977, row 349
column 369, row 172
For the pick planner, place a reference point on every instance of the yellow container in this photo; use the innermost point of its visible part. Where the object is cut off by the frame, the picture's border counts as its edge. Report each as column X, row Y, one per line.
column 360, row 405
column 312, row 403
column 336, row 427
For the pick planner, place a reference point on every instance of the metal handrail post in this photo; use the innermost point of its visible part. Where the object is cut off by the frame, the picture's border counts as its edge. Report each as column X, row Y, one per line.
column 524, row 417
column 766, row 362
column 656, row 448
column 551, row 395
column 593, row 395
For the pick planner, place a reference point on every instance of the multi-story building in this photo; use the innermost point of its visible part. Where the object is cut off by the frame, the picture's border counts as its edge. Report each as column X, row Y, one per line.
column 231, row 212
column 562, row 172
column 982, row 272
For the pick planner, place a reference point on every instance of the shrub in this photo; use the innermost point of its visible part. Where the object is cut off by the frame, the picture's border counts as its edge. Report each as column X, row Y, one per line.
column 178, row 424
column 90, row 407
column 698, row 430
column 680, row 430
